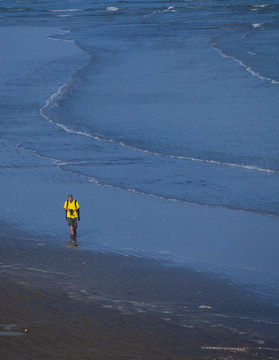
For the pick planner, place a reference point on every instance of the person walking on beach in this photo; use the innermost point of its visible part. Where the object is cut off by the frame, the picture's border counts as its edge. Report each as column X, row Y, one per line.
column 71, row 207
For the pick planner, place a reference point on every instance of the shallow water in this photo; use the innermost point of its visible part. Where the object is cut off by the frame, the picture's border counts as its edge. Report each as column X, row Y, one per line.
column 174, row 101
column 163, row 102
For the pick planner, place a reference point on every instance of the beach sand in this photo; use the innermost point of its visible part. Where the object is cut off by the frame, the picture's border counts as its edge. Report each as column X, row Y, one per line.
column 77, row 304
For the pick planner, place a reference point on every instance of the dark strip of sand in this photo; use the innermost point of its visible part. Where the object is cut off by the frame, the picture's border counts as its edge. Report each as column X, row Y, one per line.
column 82, row 305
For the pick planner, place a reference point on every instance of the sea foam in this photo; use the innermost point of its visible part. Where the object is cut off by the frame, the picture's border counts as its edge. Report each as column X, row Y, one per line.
column 245, row 66
column 112, row 8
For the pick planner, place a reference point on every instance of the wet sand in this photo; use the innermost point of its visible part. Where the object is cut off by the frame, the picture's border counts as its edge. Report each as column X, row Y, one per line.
column 77, row 304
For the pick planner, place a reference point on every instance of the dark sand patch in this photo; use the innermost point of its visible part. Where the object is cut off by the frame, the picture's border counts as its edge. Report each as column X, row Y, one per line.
column 82, row 305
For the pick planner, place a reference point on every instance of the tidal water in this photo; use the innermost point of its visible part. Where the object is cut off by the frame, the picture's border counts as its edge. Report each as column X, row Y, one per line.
column 172, row 102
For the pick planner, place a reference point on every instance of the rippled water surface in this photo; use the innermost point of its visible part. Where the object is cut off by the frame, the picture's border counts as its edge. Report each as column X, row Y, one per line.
column 176, row 101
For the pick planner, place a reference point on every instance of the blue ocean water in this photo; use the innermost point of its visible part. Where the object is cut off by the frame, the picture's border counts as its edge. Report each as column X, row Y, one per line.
column 176, row 101
column 180, row 104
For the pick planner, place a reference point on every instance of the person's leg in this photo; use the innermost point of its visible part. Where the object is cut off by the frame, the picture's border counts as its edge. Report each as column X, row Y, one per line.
column 75, row 225
column 70, row 223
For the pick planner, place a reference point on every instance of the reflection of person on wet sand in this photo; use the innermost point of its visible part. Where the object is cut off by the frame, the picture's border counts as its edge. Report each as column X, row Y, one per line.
column 72, row 214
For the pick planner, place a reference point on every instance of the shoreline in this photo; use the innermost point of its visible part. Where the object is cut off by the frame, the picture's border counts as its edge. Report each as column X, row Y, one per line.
column 236, row 242
column 123, row 307
column 88, row 304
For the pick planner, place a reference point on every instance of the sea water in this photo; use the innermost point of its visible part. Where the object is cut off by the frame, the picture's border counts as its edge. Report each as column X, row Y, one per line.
column 168, row 108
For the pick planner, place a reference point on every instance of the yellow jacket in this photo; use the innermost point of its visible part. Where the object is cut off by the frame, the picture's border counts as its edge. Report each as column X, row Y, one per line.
column 74, row 206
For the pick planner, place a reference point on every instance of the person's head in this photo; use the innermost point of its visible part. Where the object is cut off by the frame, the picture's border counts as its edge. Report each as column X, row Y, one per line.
column 70, row 198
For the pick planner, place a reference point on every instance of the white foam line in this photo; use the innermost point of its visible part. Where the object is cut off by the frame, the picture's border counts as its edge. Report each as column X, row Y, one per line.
column 220, row 348
column 44, row 271
column 65, row 10
column 268, row 349
column 55, row 39
column 98, row 182
column 257, row 25
column 21, row 147
column 247, row 318
column 63, row 89
column 236, row 349
column 121, row 143
column 178, row 157
column 242, row 64
column 112, row 8
column 259, row 6
column 59, row 163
